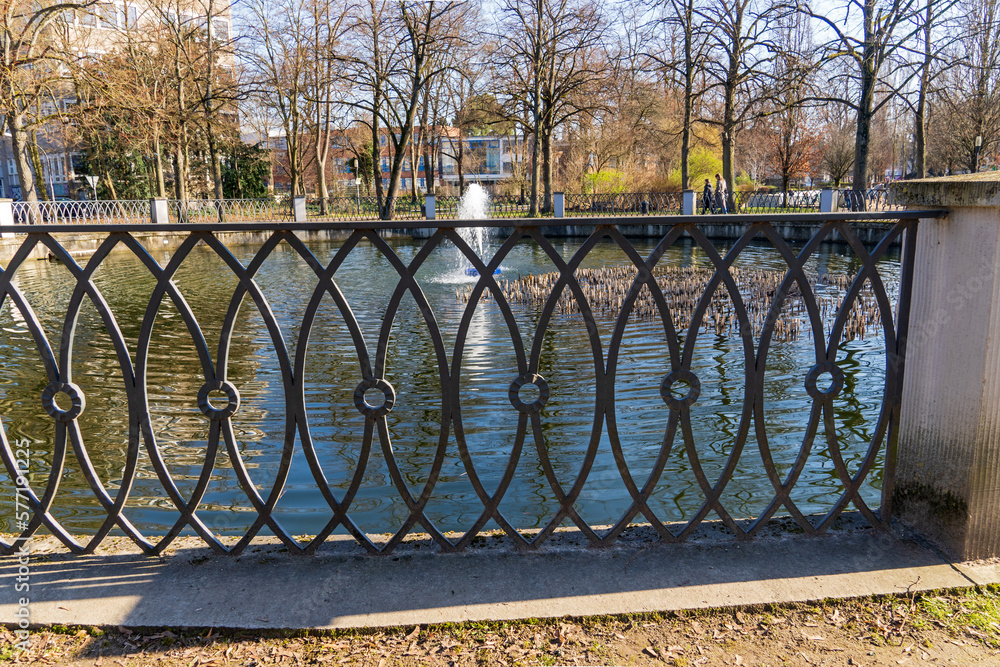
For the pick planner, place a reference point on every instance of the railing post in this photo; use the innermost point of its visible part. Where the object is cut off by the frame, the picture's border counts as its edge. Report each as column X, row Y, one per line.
column 7, row 216
column 159, row 211
column 430, row 212
column 687, row 202
column 827, row 200
column 946, row 482
column 558, row 205
column 299, row 209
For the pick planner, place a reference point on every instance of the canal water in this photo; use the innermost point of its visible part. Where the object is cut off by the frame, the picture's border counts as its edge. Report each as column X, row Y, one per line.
column 332, row 374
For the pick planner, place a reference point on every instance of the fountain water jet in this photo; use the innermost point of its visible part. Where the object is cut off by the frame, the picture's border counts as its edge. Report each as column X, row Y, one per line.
column 474, row 205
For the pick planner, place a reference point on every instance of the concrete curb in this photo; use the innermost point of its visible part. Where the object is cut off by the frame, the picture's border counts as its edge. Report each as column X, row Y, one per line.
column 266, row 589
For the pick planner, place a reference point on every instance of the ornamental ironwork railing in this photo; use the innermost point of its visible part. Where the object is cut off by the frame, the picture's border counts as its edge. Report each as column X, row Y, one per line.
column 227, row 210
column 764, row 202
column 126, row 212
column 626, row 203
column 681, row 303
column 499, row 206
column 874, row 199
column 338, row 209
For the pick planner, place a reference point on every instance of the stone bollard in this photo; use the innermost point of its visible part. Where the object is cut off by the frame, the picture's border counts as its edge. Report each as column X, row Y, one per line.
column 299, row 209
column 7, row 216
column 827, row 200
column 430, row 207
column 947, row 477
column 159, row 211
column 687, row 202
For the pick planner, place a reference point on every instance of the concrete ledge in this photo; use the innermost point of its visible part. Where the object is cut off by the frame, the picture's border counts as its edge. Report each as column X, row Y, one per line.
column 982, row 189
column 265, row 588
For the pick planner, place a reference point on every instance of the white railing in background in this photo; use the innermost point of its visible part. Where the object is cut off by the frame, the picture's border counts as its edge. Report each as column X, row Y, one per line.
column 70, row 212
column 228, row 210
column 346, row 209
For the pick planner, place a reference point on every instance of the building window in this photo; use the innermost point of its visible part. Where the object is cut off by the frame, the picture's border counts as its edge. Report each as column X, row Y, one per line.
column 108, row 16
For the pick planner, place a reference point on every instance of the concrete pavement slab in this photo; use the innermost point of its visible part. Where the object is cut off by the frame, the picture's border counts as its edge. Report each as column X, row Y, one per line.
column 336, row 588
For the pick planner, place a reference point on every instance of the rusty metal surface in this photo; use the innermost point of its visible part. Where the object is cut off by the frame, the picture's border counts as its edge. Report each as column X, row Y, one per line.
column 528, row 414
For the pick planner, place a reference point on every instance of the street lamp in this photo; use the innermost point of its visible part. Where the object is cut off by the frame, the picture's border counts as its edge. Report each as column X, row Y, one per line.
column 975, row 155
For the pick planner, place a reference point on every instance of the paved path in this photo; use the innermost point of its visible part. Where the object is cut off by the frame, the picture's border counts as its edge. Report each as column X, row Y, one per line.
column 265, row 588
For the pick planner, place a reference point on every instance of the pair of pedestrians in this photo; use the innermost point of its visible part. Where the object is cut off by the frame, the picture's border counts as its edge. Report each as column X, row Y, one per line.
column 714, row 202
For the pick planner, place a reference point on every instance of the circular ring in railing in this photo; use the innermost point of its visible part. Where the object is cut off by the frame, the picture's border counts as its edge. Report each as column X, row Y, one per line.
column 836, row 380
column 688, row 399
column 218, row 414
column 514, row 393
column 77, row 401
column 372, row 409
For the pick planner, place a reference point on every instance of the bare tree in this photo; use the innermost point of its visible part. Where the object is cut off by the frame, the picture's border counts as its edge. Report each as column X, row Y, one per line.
column 688, row 45
column 31, row 35
column 545, row 56
column 740, row 67
column 972, row 88
column 869, row 34
column 277, row 57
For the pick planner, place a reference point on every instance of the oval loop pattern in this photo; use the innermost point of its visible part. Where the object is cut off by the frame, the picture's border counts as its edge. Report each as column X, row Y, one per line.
column 567, row 482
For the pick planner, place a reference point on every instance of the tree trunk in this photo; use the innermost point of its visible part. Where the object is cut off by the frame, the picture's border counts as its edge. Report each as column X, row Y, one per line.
column 535, row 159
column 161, row 185
column 213, row 155
column 19, row 147
column 728, row 148
column 688, row 95
column 460, row 159
column 36, row 162
column 864, row 120
column 547, row 169
column 426, row 137
column 920, row 115
column 323, row 190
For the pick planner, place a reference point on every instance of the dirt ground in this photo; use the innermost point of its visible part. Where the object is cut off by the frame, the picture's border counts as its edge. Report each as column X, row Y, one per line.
column 943, row 628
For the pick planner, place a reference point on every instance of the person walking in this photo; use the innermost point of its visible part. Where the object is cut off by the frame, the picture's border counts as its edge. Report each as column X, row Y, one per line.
column 707, row 200
column 720, row 194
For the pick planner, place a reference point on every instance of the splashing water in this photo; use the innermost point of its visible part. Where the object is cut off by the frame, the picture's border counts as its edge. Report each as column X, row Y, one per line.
column 474, row 205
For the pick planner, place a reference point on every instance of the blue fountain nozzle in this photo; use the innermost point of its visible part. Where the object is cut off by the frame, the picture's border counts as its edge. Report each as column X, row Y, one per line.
column 472, row 271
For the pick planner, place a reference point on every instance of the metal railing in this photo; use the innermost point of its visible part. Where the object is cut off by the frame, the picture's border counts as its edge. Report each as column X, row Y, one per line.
column 875, row 199
column 632, row 203
column 227, row 210
column 336, row 209
column 345, row 209
column 500, row 206
column 765, row 202
column 756, row 326
column 75, row 212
